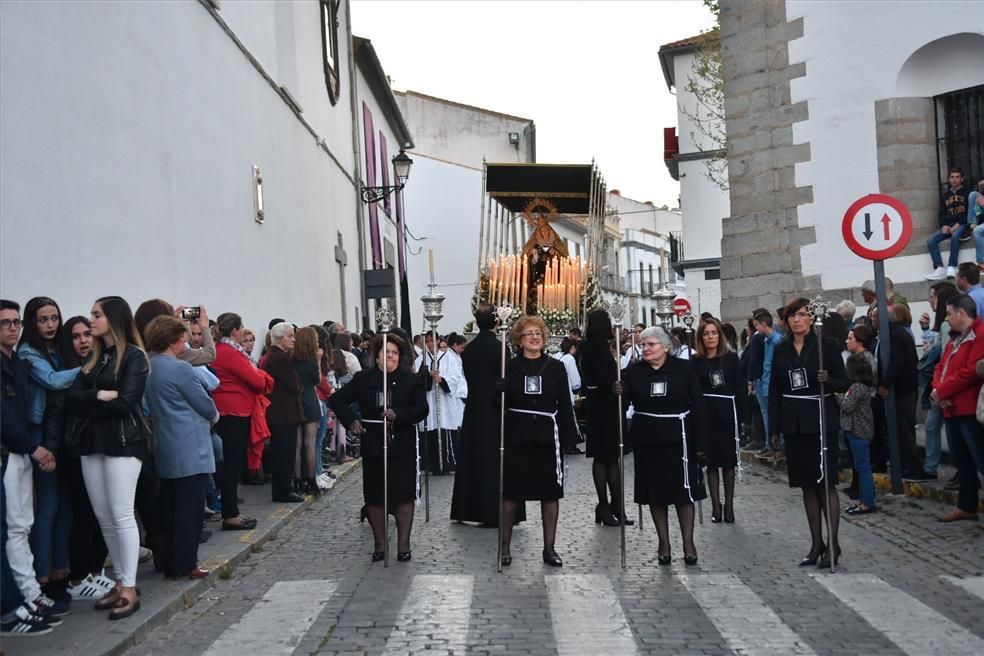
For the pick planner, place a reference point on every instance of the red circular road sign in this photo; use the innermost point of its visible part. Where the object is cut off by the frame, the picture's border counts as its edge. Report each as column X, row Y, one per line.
column 681, row 306
column 877, row 227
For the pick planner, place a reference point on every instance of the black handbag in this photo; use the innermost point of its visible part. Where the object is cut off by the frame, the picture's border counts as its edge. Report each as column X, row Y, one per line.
column 133, row 428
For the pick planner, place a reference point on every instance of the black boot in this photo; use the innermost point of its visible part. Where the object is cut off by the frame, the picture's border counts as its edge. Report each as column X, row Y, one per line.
column 604, row 515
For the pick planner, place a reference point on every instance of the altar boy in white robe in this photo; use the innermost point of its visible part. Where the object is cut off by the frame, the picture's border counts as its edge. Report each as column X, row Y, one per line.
column 446, row 389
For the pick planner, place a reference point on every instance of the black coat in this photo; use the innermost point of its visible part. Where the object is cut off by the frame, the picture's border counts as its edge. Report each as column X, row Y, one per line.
column 792, row 416
column 554, row 397
column 285, row 399
column 720, row 411
column 598, row 373
column 110, row 427
column 407, row 399
column 14, row 433
column 902, row 374
column 683, row 393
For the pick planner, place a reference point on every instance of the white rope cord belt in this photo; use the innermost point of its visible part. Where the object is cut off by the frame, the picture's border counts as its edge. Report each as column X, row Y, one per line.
column 734, row 409
column 553, row 418
column 683, row 431
column 416, row 444
column 819, row 400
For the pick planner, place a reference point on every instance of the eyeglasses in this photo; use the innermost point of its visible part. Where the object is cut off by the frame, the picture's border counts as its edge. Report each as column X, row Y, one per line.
column 7, row 323
column 531, row 333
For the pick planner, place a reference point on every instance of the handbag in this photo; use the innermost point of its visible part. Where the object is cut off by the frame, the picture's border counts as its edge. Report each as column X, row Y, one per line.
column 133, row 428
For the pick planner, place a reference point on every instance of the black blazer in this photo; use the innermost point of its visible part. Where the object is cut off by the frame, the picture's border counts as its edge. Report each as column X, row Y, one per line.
column 285, row 399
column 733, row 385
column 555, row 396
column 794, row 416
column 683, row 393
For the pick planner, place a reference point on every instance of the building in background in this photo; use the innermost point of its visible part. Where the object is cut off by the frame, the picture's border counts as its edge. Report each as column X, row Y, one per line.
column 849, row 114
column 704, row 202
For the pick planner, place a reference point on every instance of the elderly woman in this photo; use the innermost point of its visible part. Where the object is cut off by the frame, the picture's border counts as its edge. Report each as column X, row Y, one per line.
column 284, row 415
column 405, row 407
column 183, row 413
column 539, row 424
column 668, row 437
column 795, row 394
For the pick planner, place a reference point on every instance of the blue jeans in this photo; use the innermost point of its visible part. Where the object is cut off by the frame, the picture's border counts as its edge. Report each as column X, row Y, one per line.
column 979, row 243
column 965, row 435
column 862, row 464
column 934, row 425
column 933, row 244
column 10, row 595
column 319, row 448
column 52, row 519
column 762, row 394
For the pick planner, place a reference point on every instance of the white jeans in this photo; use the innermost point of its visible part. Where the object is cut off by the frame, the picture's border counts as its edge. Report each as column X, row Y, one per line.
column 112, row 485
column 18, row 486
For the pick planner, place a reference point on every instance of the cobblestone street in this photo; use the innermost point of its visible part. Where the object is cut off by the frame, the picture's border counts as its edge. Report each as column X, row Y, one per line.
column 906, row 585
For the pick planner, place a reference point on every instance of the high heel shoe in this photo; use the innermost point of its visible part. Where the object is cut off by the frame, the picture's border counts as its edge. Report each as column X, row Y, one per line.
column 364, row 514
column 664, row 560
column 690, row 560
column 617, row 514
column 604, row 515
column 824, row 562
column 377, row 556
column 551, row 558
column 812, row 559
column 729, row 515
column 506, row 559
column 404, row 556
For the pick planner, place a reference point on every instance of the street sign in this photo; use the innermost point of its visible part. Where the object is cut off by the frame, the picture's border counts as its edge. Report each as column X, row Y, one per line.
column 877, row 227
column 681, row 306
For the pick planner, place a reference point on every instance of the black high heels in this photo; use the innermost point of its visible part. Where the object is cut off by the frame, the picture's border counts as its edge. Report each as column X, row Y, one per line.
column 729, row 515
column 824, row 562
column 404, row 556
column 690, row 560
column 551, row 558
column 664, row 560
column 363, row 514
column 377, row 556
column 616, row 513
column 811, row 558
column 506, row 559
column 604, row 515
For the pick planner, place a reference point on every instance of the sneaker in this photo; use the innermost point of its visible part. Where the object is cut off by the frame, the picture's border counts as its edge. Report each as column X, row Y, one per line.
column 145, row 555
column 48, row 607
column 23, row 622
column 88, row 588
column 952, row 485
column 939, row 273
column 208, row 512
column 57, row 590
column 951, row 272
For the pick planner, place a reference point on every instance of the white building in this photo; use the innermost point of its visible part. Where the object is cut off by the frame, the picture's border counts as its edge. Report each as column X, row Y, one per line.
column 136, row 137
column 848, row 115
column 444, row 201
column 703, row 203
column 644, row 254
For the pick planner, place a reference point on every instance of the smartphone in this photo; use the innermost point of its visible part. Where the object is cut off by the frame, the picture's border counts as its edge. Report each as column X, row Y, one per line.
column 191, row 313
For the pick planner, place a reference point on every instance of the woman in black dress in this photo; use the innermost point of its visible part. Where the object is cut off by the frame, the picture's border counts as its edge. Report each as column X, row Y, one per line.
column 794, row 392
column 407, row 407
column 717, row 369
column 667, row 437
column 539, row 424
column 598, row 374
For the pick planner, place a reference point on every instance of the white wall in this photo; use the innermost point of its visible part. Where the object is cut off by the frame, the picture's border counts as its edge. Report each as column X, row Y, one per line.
column 129, row 131
column 443, row 206
column 848, row 69
column 704, row 295
column 704, row 206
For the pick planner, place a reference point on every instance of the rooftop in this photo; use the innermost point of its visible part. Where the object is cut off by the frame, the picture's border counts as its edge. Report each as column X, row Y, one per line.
column 668, row 51
column 452, row 103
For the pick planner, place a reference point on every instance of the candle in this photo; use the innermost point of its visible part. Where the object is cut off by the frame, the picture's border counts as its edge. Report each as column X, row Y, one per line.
column 430, row 255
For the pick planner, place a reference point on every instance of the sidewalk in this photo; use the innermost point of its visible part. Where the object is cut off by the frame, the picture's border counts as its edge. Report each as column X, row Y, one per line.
column 87, row 631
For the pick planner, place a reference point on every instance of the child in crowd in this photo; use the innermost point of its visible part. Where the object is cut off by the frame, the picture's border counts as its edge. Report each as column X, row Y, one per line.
column 858, row 425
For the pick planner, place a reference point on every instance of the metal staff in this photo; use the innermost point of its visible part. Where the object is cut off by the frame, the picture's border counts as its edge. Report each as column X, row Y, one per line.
column 688, row 320
column 632, row 359
column 433, row 300
column 384, row 319
column 616, row 309
column 819, row 309
column 504, row 313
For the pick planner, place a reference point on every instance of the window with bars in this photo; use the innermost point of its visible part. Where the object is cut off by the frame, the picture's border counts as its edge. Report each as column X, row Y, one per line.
column 960, row 133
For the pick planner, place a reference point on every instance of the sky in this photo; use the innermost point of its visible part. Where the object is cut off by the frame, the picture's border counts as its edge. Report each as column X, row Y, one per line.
column 587, row 73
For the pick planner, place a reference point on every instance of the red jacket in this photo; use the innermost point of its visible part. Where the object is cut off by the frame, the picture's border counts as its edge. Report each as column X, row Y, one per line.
column 955, row 378
column 239, row 382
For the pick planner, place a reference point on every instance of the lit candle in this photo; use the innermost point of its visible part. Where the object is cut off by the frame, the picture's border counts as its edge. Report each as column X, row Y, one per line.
column 430, row 255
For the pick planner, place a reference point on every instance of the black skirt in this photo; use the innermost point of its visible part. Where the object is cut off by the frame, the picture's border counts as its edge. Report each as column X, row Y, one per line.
column 721, row 447
column 402, row 479
column 601, row 414
column 803, row 459
column 530, row 473
column 659, row 476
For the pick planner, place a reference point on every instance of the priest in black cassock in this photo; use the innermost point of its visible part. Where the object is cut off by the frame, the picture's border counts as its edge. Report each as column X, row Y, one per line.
column 476, row 479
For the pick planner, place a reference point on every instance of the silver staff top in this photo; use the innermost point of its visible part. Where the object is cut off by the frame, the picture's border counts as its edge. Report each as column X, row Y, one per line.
column 504, row 313
column 616, row 310
column 819, row 309
column 384, row 319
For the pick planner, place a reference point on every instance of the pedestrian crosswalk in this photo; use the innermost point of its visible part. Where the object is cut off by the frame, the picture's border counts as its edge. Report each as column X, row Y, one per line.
column 588, row 616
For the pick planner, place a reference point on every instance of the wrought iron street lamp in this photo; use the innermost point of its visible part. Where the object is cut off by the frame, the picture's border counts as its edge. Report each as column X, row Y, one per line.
column 401, row 167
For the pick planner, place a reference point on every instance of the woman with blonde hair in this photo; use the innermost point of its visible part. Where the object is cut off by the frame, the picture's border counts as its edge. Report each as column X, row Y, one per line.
column 539, row 424
column 112, row 437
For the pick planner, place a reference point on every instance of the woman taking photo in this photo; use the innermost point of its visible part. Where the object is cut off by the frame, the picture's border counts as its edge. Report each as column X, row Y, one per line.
column 667, row 437
column 795, row 394
column 40, row 345
column 716, row 366
column 305, row 360
column 406, row 407
column 112, row 439
column 539, row 425
column 240, row 382
column 599, row 371
column 183, row 413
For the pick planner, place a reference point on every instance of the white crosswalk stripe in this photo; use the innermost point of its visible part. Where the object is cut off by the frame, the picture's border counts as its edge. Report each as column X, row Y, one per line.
column 913, row 626
column 278, row 622
column 972, row 584
column 434, row 604
column 587, row 616
column 721, row 595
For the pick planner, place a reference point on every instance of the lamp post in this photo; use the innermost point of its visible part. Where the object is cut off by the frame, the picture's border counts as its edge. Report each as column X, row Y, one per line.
column 401, row 167
column 433, row 313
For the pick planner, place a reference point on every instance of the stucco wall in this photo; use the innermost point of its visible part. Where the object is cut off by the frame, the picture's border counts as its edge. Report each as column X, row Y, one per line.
column 129, row 133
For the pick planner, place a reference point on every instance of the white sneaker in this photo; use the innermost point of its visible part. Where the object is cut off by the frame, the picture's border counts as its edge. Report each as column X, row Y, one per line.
column 104, row 582
column 951, row 272
column 90, row 588
column 145, row 555
column 939, row 273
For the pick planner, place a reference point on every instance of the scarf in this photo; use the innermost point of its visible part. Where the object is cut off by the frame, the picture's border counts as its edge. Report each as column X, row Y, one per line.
column 238, row 347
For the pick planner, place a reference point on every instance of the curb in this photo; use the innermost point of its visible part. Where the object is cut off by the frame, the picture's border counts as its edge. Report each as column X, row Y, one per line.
column 221, row 566
column 883, row 483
